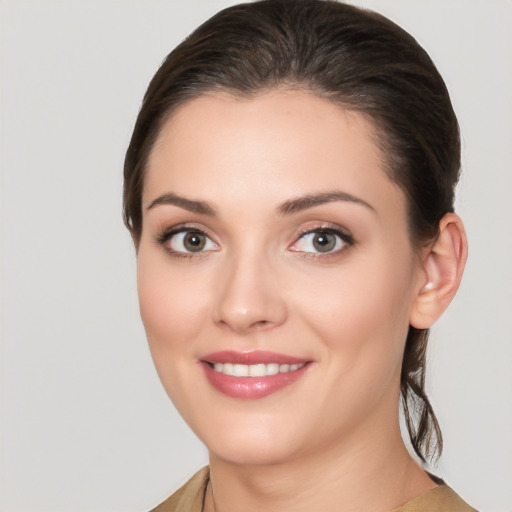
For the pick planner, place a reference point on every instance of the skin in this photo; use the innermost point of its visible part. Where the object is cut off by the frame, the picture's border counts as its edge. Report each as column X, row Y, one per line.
column 333, row 436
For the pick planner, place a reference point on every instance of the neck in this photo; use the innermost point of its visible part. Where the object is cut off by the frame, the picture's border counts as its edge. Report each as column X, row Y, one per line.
column 360, row 473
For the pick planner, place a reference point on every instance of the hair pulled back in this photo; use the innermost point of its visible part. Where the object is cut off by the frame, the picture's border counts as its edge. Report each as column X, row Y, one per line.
column 355, row 58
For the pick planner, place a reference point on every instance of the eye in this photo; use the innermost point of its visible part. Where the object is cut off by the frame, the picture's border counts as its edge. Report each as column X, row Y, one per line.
column 187, row 241
column 322, row 241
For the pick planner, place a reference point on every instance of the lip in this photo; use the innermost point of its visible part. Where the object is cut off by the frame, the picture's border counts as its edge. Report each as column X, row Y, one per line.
column 253, row 357
column 251, row 388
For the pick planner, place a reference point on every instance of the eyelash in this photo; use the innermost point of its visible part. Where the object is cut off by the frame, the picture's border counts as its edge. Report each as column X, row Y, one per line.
column 346, row 238
column 168, row 234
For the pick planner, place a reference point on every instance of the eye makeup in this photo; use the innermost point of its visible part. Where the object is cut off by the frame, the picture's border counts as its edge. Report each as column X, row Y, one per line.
column 320, row 242
column 186, row 241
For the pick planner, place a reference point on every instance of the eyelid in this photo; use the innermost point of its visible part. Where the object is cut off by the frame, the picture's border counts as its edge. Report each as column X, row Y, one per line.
column 166, row 235
column 335, row 229
column 345, row 236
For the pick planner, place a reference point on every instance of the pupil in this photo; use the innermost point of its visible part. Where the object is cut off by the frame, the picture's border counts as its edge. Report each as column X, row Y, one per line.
column 324, row 242
column 194, row 242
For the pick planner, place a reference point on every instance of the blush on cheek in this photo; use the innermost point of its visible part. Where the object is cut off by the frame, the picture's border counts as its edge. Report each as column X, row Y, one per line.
column 371, row 321
column 173, row 312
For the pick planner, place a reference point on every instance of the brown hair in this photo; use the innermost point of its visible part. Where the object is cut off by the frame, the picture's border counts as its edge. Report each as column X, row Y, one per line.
column 361, row 61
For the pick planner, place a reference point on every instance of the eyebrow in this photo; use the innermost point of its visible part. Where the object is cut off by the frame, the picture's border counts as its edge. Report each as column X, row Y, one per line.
column 201, row 207
column 311, row 200
column 287, row 208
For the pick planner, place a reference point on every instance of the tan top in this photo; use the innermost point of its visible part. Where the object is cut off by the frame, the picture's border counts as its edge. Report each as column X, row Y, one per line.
column 190, row 498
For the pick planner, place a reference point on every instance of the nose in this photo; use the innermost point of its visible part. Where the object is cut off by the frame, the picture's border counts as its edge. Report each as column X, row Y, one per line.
column 249, row 297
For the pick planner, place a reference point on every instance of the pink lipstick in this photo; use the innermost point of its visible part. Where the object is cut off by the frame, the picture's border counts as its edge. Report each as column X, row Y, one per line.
column 252, row 375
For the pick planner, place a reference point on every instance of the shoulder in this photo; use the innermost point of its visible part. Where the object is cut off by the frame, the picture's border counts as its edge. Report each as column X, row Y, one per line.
column 188, row 498
column 440, row 499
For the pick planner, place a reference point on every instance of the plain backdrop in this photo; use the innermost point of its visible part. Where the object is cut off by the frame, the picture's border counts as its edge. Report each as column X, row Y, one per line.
column 85, row 424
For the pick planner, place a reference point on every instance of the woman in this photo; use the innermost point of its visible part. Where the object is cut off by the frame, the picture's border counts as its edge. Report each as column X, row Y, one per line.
column 289, row 189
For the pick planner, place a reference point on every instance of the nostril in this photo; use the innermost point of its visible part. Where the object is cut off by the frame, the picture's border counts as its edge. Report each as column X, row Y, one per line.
column 259, row 325
column 262, row 323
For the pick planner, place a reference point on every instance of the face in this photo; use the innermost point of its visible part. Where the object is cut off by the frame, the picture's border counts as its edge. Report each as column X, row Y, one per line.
column 276, row 275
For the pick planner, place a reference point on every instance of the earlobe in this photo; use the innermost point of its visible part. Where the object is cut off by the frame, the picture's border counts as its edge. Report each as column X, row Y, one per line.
column 443, row 265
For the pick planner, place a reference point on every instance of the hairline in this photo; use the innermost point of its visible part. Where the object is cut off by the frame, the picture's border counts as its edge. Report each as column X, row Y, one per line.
column 389, row 159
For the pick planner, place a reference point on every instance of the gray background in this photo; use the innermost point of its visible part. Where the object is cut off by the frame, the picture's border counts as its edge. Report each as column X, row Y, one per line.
column 85, row 424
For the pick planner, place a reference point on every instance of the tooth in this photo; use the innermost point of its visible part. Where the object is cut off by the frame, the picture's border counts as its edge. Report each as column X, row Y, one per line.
column 227, row 369
column 240, row 370
column 272, row 369
column 257, row 370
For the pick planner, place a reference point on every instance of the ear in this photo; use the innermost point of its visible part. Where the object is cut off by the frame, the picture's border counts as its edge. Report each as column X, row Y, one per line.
column 443, row 263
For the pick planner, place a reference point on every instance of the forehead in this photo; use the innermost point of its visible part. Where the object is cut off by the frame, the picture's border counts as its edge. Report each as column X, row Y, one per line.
column 272, row 146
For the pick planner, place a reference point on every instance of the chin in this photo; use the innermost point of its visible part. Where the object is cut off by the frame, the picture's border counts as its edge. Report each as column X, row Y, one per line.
column 251, row 454
column 243, row 445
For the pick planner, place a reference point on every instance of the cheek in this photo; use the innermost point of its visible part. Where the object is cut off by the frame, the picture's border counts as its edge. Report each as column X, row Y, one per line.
column 361, row 311
column 172, row 305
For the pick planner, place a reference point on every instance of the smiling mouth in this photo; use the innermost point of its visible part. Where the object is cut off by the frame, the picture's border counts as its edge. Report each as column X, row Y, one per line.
column 252, row 375
column 254, row 370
